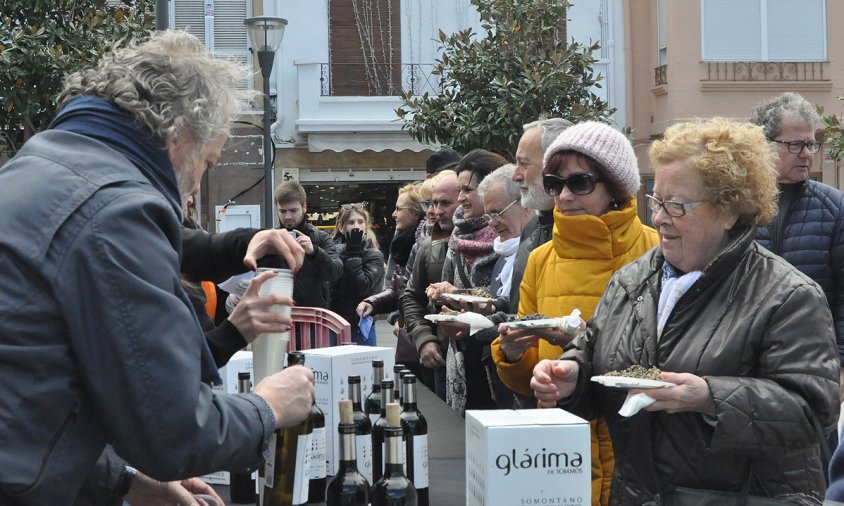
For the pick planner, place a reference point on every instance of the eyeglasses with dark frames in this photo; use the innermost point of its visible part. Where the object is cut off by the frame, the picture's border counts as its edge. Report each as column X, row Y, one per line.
column 582, row 183
column 797, row 147
column 496, row 217
column 672, row 208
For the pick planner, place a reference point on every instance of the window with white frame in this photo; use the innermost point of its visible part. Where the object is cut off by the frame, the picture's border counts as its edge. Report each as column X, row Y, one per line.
column 661, row 47
column 763, row 30
column 219, row 24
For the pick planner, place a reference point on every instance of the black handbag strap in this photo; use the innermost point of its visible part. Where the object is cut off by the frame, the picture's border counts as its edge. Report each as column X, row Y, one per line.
column 461, row 271
column 826, row 453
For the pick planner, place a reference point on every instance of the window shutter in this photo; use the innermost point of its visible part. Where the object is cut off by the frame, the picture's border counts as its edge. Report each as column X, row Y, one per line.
column 226, row 36
column 796, row 30
column 732, row 30
column 662, row 50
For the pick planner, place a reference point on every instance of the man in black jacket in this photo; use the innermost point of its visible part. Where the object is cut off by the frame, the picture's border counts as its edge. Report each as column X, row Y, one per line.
column 322, row 265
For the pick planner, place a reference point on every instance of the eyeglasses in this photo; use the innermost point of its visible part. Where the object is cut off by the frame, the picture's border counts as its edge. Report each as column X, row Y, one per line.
column 354, row 205
column 441, row 203
column 490, row 217
column 404, row 208
column 796, row 147
column 674, row 209
column 582, row 183
column 426, row 204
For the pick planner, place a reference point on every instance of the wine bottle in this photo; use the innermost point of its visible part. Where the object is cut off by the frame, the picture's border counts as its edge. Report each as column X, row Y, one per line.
column 415, row 430
column 402, row 374
column 373, row 400
column 378, row 431
column 242, row 488
column 394, row 489
column 363, row 430
column 397, row 369
column 319, row 463
column 287, row 473
column 348, row 487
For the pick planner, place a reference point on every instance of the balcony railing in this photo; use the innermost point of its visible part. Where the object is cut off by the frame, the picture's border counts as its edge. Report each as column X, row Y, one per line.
column 661, row 75
column 765, row 71
column 377, row 80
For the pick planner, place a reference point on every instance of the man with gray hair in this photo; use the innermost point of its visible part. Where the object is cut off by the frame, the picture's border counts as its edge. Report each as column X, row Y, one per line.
column 101, row 345
column 537, row 137
column 808, row 230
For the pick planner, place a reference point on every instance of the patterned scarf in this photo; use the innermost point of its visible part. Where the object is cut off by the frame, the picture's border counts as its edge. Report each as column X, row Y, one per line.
column 470, row 249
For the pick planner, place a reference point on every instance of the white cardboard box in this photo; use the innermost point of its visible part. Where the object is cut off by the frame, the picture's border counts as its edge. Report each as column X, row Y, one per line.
column 527, row 457
column 241, row 361
column 332, row 368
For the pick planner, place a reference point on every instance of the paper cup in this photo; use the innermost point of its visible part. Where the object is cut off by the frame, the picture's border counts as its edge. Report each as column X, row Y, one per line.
column 268, row 349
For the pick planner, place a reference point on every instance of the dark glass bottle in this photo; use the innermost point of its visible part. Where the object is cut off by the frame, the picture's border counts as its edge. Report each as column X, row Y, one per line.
column 397, row 369
column 378, row 431
column 372, row 406
column 393, row 489
column 415, row 429
column 242, row 488
column 319, row 462
column 348, row 487
column 287, row 475
column 363, row 430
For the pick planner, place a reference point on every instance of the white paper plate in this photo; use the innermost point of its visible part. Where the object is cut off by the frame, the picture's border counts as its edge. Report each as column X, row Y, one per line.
column 466, row 297
column 627, row 382
column 436, row 318
column 544, row 323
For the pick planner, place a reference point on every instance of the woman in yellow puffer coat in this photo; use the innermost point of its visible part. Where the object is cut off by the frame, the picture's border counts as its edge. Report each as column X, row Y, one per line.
column 591, row 171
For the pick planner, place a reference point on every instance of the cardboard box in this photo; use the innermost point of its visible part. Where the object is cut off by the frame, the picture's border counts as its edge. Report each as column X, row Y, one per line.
column 241, row 361
column 527, row 457
column 332, row 368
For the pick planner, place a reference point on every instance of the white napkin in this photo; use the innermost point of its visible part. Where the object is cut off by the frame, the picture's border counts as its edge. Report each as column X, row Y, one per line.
column 475, row 321
column 635, row 403
column 231, row 285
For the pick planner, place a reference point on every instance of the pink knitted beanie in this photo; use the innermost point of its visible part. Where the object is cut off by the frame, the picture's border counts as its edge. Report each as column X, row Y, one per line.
column 607, row 146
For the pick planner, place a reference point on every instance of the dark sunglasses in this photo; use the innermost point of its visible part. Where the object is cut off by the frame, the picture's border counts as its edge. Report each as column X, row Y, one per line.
column 582, row 183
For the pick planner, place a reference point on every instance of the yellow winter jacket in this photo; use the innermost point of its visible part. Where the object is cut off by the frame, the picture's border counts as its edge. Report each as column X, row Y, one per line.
column 571, row 271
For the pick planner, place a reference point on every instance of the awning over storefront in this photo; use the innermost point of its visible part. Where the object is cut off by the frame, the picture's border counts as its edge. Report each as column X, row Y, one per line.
column 363, row 141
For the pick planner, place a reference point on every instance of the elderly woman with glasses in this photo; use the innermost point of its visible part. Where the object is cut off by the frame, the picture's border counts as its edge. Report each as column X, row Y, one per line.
column 592, row 173
column 746, row 340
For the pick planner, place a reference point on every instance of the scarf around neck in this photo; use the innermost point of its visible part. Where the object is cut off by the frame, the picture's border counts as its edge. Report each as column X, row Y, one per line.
column 507, row 250
column 101, row 120
column 403, row 241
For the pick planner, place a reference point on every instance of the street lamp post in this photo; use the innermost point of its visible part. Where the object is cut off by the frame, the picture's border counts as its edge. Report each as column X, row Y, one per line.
column 266, row 34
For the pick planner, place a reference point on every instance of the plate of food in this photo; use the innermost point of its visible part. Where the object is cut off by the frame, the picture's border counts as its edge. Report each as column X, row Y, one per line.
column 635, row 376
column 538, row 323
column 469, row 296
column 440, row 317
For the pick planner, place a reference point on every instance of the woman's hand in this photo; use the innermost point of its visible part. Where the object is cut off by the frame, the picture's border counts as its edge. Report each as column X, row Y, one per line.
column 364, row 309
column 435, row 291
column 252, row 315
column 554, row 380
column 515, row 342
column 691, row 394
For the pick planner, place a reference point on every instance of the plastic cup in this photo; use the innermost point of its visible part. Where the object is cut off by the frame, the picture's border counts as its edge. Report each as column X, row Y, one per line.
column 269, row 348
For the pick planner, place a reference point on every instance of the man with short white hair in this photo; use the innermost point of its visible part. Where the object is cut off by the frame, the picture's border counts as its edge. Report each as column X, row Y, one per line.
column 537, row 137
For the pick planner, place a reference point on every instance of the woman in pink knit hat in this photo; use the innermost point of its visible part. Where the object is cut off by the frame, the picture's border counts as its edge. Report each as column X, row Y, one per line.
column 592, row 173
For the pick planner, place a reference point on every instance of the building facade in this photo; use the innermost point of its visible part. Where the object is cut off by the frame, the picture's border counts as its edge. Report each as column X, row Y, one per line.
column 336, row 83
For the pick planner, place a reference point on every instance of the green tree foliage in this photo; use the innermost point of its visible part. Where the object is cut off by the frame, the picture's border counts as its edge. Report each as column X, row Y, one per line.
column 834, row 132
column 43, row 40
column 520, row 70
